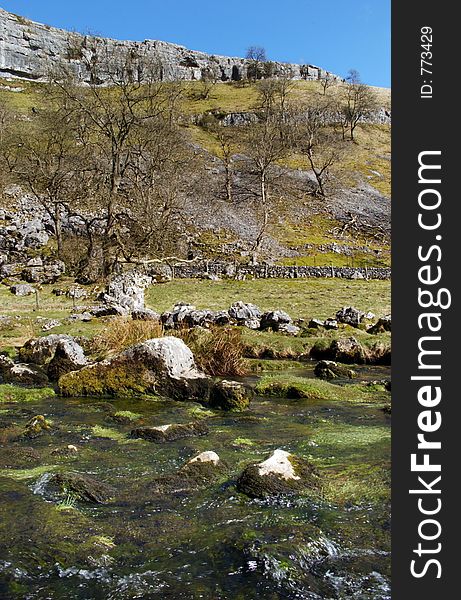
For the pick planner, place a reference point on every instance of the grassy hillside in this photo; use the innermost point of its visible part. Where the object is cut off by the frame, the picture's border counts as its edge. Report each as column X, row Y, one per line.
column 302, row 224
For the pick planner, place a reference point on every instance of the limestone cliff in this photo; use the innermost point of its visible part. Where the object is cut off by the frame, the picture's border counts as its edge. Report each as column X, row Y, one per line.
column 29, row 50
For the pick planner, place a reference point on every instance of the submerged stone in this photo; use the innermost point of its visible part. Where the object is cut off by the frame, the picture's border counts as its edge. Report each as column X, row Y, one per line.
column 281, row 474
column 230, row 395
column 84, row 487
column 35, row 427
column 171, row 432
column 329, row 369
column 198, row 472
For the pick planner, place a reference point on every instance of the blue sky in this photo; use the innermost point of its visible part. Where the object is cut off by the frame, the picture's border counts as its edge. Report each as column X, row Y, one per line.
column 335, row 34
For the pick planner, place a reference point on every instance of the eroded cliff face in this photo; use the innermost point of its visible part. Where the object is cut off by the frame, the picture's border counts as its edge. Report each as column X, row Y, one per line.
column 30, row 50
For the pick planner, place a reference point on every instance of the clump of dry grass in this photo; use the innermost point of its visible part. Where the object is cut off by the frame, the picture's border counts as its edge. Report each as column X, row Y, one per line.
column 123, row 332
column 217, row 351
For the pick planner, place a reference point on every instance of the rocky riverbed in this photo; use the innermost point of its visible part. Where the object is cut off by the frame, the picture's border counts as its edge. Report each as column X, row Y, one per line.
column 91, row 508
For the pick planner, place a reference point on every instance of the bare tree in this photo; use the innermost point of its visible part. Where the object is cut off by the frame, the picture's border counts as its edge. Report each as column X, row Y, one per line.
column 274, row 95
column 318, row 141
column 264, row 143
column 109, row 121
column 358, row 101
column 45, row 161
column 209, row 78
column 327, row 80
column 256, row 57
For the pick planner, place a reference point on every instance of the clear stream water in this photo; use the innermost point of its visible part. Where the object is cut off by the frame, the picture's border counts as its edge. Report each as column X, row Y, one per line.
column 213, row 543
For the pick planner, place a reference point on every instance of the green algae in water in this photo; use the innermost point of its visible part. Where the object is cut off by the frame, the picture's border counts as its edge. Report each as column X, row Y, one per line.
column 112, row 434
column 128, row 415
column 22, row 474
column 189, row 543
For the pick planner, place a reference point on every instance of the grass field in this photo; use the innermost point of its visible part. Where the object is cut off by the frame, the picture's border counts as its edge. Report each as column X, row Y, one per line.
column 309, row 298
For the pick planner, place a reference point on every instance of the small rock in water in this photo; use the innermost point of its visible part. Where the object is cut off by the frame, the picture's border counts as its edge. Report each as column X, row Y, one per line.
column 171, row 432
column 329, row 369
column 84, row 487
column 230, row 395
column 198, row 472
column 36, row 427
column 281, row 474
column 208, row 456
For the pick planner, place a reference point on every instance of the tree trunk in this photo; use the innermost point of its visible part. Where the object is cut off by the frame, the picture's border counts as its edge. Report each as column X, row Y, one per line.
column 58, row 230
column 262, row 231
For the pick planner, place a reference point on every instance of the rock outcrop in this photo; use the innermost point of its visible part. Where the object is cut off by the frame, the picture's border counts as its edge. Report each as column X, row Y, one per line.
column 329, row 369
column 68, row 356
column 40, row 351
column 29, row 50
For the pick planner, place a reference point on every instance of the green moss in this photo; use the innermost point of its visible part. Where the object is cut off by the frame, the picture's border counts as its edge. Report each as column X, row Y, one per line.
column 126, row 416
column 13, row 393
column 103, row 380
column 284, row 386
column 111, row 434
column 240, row 441
column 198, row 412
column 257, row 365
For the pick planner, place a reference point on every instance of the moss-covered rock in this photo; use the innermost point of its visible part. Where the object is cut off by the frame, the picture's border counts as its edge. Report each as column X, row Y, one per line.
column 171, row 432
column 199, row 472
column 281, row 474
column 329, row 369
column 35, row 427
column 230, row 395
column 160, row 366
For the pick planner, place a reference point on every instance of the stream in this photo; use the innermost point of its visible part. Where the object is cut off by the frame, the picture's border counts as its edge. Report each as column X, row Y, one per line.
column 214, row 543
